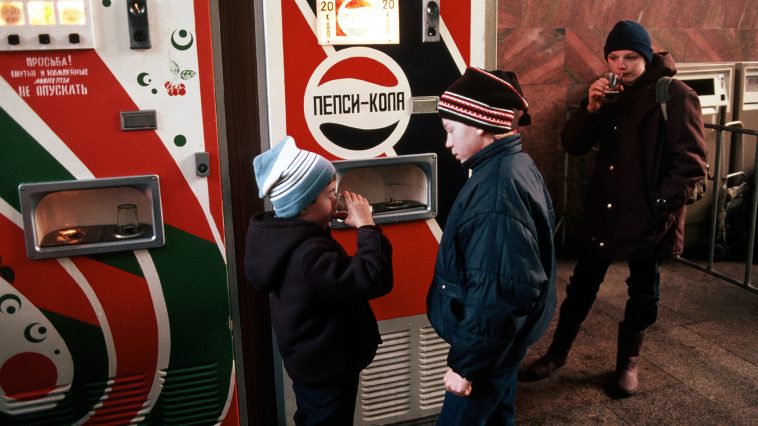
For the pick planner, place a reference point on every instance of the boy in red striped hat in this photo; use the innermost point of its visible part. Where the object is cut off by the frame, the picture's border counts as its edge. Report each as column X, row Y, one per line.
column 493, row 291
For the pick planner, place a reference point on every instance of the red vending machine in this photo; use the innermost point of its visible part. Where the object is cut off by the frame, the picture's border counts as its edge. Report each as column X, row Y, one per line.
column 114, row 302
column 357, row 81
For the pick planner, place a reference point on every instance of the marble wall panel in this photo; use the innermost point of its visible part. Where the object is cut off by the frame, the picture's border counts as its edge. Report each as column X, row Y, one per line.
column 542, row 138
column 535, row 55
column 662, row 14
column 547, row 106
column 707, row 45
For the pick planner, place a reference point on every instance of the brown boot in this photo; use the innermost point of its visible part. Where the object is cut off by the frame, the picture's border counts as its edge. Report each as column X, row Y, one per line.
column 556, row 355
column 629, row 344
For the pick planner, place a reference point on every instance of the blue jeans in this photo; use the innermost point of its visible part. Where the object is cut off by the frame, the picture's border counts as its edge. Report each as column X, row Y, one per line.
column 492, row 402
column 328, row 403
column 643, row 288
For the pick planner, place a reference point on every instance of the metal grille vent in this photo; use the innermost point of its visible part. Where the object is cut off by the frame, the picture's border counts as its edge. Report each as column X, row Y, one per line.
column 386, row 383
column 122, row 398
column 190, row 396
column 42, row 407
column 432, row 366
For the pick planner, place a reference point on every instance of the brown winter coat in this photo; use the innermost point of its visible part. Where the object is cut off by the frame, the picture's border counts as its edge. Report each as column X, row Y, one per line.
column 641, row 158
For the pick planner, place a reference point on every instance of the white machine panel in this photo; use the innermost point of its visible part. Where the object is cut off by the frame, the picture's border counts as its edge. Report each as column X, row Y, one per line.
column 712, row 82
column 750, row 91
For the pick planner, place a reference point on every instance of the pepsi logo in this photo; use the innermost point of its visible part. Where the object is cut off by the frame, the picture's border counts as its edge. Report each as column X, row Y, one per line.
column 357, row 103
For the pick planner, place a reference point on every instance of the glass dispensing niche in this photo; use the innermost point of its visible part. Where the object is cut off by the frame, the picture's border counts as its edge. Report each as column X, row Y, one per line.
column 91, row 216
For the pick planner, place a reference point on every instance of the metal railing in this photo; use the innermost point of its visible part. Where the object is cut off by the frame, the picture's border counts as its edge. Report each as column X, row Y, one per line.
column 734, row 128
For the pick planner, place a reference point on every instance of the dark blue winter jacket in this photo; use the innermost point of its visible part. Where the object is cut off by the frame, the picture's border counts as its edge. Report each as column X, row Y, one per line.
column 493, row 291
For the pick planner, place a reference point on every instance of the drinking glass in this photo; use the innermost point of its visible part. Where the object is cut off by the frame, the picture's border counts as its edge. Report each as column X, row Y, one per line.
column 340, row 211
column 614, row 83
column 127, row 221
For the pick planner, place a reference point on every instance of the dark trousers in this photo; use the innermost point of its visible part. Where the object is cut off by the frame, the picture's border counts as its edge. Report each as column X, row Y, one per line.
column 492, row 402
column 329, row 403
column 642, row 286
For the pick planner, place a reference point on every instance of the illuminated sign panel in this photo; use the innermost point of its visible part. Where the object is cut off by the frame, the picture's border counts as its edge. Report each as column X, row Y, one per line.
column 41, row 12
column 12, row 13
column 46, row 25
column 71, row 12
column 358, row 22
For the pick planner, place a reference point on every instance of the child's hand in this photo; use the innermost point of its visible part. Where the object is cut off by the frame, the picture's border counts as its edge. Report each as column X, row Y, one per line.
column 456, row 384
column 596, row 94
column 358, row 210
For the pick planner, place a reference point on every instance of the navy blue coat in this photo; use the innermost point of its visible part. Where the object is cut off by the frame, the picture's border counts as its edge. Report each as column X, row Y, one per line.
column 493, row 291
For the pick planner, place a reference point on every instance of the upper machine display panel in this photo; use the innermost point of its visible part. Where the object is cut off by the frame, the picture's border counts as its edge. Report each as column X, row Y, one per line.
column 45, row 25
column 358, row 22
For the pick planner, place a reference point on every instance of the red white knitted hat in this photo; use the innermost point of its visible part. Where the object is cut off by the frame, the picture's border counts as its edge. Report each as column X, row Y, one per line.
column 485, row 100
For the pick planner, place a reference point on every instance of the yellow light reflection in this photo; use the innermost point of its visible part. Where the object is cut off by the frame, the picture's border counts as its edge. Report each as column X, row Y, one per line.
column 41, row 12
column 71, row 12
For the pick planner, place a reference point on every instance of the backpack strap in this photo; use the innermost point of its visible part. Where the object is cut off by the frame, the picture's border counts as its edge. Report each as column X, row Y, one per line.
column 662, row 94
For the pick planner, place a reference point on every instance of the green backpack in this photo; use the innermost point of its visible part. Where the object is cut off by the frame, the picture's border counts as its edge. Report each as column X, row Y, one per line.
column 662, row 94
column 662, row 97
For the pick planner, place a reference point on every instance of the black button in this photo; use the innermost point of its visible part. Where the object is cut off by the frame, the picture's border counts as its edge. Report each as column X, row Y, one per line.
column 14, row 39
column 44, row 38
column 74, row 38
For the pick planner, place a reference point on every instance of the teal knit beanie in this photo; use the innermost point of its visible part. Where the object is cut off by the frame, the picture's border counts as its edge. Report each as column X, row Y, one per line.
column 629, row 35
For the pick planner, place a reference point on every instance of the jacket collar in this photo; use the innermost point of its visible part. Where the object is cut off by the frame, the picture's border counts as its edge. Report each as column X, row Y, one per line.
column 508, row 145
column 661, row 65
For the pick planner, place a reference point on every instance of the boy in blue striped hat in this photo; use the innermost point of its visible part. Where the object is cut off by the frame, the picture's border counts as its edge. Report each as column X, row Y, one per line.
column 325, row 329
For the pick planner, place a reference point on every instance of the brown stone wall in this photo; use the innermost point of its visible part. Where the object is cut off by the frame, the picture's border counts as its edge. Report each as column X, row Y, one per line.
column 556, row 49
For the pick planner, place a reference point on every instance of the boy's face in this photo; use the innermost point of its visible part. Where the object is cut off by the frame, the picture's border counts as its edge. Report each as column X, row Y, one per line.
column 463, row 140
column 321, row 210
column 627, row 63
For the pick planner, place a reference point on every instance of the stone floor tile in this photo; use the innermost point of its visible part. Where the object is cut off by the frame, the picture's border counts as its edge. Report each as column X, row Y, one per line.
column 704, row 367
column 673, row 405
column 699, row 362
column 735, row 335
column 580, row 416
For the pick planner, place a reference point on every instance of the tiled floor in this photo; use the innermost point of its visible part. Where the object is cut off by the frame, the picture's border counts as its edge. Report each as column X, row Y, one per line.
column 699, row 361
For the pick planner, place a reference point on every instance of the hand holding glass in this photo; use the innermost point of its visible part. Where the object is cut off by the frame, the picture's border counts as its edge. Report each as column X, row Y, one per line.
column 353, row 209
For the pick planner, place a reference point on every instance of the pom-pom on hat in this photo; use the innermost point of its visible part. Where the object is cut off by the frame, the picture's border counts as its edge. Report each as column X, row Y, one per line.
column 486, row 100
column 291, row 177
column 629, row 35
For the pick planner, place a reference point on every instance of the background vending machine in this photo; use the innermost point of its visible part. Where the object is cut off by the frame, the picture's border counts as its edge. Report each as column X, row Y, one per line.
column 357, row 81
column 746, row 112
column 114, row 303
column 713, row 82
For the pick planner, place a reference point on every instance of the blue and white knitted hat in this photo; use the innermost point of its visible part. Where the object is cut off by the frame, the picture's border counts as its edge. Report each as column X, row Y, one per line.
column 291, row 177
